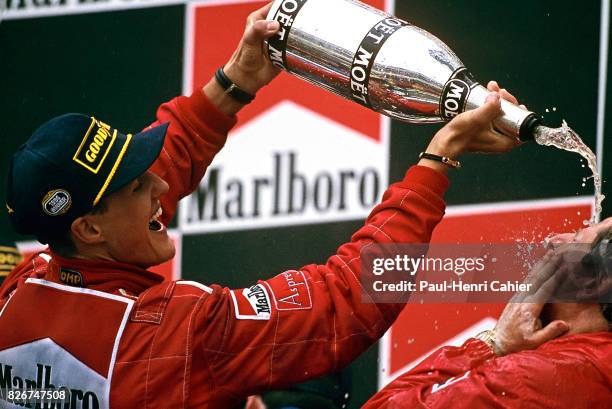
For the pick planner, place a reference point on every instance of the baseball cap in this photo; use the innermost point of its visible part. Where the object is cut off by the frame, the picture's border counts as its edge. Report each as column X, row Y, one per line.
column 68, row 165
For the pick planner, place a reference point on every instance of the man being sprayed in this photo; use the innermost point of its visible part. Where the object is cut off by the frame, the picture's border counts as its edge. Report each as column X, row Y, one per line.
column 513, row 366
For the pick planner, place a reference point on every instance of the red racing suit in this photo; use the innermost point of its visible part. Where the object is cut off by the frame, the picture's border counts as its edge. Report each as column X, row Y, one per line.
column 573, row 372
column 121, row 337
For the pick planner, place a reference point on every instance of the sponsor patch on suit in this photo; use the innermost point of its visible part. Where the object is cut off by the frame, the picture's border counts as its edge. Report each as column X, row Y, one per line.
column 252, row 303
column 71, row 277
column 290, row 291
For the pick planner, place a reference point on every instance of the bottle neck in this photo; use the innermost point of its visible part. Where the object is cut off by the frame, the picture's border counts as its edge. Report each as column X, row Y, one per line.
column 515, row 122
column 528, row 127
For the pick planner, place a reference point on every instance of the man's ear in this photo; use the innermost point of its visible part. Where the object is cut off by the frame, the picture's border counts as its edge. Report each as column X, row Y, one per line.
column 86, row 230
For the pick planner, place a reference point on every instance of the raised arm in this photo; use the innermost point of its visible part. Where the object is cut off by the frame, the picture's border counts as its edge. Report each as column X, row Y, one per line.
column 316, row 319
column 313, row 320
column 198, row 125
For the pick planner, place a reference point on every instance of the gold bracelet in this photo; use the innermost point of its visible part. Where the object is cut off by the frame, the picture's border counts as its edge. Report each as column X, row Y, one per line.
column 488, row 337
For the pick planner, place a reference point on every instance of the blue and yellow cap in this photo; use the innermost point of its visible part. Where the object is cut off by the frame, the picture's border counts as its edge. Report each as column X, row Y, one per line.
column 68, row 165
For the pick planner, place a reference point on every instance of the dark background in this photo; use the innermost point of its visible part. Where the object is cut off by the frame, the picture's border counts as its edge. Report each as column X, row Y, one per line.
column 120, row 65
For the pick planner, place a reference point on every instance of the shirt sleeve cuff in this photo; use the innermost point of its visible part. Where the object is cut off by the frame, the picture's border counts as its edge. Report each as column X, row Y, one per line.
column 479, row 349
column 437, row 182
column 427, row 182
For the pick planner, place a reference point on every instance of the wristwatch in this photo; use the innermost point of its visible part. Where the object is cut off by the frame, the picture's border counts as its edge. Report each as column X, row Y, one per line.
column 488, row 337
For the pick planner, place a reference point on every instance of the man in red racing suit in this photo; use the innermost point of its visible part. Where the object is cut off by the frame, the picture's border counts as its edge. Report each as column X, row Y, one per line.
column 573, row 371
column 112, row 334
column 511, row 367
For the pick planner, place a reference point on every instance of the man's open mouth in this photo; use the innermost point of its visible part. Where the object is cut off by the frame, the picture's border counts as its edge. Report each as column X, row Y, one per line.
column 154, row 224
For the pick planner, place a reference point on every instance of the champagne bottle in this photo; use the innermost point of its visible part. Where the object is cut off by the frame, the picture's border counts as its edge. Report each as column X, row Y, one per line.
column 381, row 62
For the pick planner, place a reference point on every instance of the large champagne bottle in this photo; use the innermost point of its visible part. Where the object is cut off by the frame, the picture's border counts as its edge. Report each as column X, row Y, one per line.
column 382, row 62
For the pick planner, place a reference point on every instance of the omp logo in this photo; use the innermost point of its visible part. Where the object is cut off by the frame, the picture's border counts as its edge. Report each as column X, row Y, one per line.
column 56, row 202
column 71, row 277
column 454, row 97
column 95, row 146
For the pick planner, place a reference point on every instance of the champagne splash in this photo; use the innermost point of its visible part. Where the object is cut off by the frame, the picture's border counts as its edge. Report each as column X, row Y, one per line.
column 567, row 139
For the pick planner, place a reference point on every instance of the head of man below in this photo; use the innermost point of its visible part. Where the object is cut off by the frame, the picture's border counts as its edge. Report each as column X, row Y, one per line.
column 573, row 293
column 551, row 346
column 586, row 315
column 580, row 317
column 588, row 279
column 104, row 203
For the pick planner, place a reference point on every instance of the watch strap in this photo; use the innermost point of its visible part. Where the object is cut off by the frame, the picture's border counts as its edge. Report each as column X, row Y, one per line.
column 232, row 89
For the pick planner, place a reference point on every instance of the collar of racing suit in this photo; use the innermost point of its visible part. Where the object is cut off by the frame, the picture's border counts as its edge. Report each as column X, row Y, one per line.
column 106, row 276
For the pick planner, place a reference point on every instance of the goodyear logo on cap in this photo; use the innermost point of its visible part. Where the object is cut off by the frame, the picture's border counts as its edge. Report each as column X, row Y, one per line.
column 95, row 146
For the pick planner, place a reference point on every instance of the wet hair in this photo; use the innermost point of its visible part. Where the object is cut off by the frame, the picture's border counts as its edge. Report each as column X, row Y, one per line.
column 606, row 271
column 598, row 264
